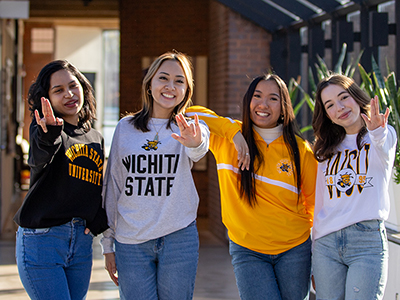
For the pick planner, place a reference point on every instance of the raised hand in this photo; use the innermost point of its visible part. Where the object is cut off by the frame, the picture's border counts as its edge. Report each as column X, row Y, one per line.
column 48, row 116
column 377, row 119
column 243, row 151
column 190, row 134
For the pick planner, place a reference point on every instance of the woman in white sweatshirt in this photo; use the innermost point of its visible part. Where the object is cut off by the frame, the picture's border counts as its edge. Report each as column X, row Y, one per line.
column 355, row 148
column 150, row 197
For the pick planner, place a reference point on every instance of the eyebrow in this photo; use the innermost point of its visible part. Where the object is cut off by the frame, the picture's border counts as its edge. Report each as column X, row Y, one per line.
column 57, row 86
column 169, row 74
column 344, row 91
column 275, row 94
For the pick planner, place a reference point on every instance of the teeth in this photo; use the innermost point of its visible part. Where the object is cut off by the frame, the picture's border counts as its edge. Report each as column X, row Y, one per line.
column 262, row 114
column 168, row 96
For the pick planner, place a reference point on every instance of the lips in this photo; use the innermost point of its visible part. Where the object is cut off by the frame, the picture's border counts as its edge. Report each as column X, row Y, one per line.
column 262, row 114
column 71, row 103
column 345, row 115
column 169, row 96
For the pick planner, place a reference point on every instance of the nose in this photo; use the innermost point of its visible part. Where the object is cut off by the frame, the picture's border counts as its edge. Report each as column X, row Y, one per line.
column 69, row 94
column 170, row 85
column 340, row 105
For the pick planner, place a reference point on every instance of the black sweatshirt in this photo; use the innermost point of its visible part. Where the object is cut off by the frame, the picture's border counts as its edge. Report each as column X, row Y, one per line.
column 66, row 178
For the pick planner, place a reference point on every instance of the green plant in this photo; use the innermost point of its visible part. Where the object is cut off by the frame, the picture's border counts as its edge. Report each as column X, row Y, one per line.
column 389, row 96
column 322, row 71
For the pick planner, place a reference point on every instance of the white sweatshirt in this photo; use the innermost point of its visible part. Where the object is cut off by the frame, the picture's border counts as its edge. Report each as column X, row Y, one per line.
column 148, row 189
column 352, row 186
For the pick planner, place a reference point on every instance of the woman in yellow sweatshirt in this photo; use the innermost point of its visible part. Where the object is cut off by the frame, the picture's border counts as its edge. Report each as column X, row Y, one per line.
column 267, row 205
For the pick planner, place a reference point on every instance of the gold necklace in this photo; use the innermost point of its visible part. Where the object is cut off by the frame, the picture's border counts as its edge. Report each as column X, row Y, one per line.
column 156, row 138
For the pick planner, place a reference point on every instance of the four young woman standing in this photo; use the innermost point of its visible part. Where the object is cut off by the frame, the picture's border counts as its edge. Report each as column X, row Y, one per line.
column 268, row 188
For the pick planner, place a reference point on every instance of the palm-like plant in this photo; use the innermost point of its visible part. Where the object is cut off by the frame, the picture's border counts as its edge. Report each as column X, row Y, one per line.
column 322, row 71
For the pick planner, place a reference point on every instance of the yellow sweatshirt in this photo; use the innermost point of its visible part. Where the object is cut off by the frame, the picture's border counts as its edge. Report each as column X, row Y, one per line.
column 277, row 223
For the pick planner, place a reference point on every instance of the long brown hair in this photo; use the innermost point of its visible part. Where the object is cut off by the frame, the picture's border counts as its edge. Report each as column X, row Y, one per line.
column 329, row 135
column 290, row 130
column 141, row 118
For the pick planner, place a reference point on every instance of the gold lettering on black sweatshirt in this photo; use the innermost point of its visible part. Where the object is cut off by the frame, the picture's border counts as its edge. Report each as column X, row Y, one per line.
column 79, row 172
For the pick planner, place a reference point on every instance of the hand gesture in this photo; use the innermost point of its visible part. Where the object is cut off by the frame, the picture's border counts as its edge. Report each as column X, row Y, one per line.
column 190, row 134
column 48, row 116
column 111, row 266
column 243, row 151
column 377, row 119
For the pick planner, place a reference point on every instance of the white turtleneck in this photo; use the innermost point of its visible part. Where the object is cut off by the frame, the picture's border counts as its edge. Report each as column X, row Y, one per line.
column 269, row 134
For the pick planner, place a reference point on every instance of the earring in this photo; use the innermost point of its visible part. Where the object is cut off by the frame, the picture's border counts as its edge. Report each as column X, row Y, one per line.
column 149, row 92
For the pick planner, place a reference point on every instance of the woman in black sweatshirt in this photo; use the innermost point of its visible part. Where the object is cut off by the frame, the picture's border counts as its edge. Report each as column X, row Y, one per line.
column 63, row 208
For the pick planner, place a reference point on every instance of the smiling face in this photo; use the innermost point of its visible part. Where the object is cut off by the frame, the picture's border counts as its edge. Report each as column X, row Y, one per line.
column 168, row 88
column 66, row 95
column 265, row 105
column 341, row 108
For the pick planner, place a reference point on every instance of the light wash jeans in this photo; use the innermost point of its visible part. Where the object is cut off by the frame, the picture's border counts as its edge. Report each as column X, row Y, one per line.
column 163, row 268
column 274, row 277
column 352, row 263
column 56, row 262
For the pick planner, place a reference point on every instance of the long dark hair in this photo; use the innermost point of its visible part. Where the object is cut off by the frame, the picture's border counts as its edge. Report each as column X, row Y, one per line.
column 329, row 135
column 290, row 130
column 141, row 118
column 40, row 88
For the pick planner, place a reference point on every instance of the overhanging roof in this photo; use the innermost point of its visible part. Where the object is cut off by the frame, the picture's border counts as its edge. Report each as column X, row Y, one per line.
column 275, row 15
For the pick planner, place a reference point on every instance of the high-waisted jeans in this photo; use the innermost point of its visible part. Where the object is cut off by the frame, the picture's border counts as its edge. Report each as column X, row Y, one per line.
column 56, row 262
column 163, row 268
column 351, row 263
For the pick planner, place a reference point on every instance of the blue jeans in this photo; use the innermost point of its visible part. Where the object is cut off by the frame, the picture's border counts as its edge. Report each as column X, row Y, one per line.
column 163, row 268
column 55, row 262
column 273, row 277
column 352, row 263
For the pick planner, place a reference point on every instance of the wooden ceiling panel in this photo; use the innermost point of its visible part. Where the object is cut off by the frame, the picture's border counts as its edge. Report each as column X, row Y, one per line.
column 74, row 9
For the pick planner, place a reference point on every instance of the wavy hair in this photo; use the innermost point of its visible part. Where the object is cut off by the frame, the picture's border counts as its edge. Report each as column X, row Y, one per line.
column 290, row 130
column 141, row 118
column 329, row 135
column 40, row 88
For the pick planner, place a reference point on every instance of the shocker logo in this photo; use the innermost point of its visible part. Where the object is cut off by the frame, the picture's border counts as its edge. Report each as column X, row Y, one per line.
column 285, row 166
column 151, row 145
column 346, row 179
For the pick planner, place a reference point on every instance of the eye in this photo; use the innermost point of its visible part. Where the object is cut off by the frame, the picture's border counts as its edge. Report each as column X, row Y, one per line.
column 256, row 96
column 180, row 81
column 274, row 99
column 162, row 77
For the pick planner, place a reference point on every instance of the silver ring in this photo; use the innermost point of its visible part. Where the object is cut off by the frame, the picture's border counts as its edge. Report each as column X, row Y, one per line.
column 247, row 154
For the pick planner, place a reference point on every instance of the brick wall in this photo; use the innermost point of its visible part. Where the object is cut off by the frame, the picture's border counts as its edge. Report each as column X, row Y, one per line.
column 150, row 28
column 239, row 51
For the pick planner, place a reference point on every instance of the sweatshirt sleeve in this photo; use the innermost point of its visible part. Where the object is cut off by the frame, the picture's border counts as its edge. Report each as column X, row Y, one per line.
column 111, row 194
column 309, row 176
column 385, row 140
column 43, row 147
column 221, row 126
column 197, row 153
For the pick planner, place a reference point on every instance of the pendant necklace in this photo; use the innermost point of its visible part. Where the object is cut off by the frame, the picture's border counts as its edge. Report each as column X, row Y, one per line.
column 156, row 138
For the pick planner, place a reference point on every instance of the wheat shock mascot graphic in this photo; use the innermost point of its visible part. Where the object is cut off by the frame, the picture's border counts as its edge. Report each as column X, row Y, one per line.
column 83, row 150
column 346, row 172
